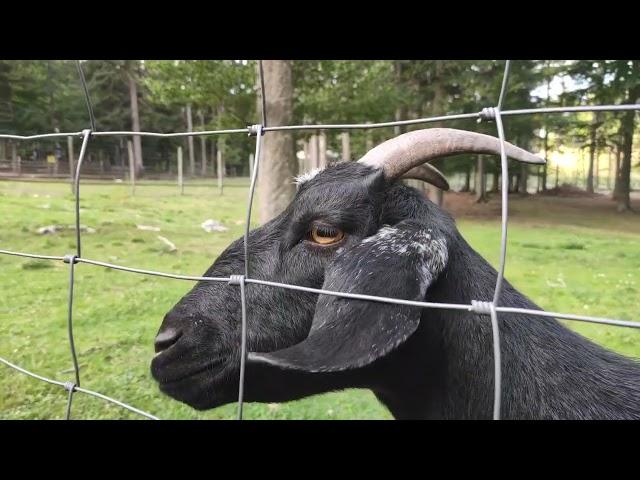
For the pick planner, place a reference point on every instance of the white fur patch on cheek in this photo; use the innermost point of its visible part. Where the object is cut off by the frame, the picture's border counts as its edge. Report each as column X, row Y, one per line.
column 429, row 251
column 434, row 256
column 305, row 177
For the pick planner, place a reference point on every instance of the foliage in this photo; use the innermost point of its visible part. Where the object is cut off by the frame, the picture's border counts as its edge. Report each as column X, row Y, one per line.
column 39, row 96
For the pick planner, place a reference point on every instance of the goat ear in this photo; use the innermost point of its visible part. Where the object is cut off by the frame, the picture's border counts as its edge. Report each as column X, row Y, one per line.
column 400, row 262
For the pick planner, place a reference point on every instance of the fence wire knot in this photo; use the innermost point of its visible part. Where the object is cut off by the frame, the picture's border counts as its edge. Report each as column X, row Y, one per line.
column 487, row 113
column 236, row 279
column 69, row 386
column 253, row 130
column 70, row 259
column 481, row 307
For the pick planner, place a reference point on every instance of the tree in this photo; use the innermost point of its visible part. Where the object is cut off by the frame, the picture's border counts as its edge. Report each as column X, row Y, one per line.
column 278, row 162
column 612, row 81
column 629, row 79
column 38, row 97
column 339, row 91
column 131, row 69
column 223, row 91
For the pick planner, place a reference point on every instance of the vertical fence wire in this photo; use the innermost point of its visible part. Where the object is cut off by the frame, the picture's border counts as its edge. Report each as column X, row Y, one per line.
column 263, row 100
column 243, row 346
column 256, row 130
column 72, row 259
column 243, row 354
column 72, row 346
column 505, row 184
column 87, row 97
column 495, row 329
column 86, row 134
column 252, row 188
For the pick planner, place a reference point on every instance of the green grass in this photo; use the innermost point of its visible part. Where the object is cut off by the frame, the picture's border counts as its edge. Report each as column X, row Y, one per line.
column 568, row 261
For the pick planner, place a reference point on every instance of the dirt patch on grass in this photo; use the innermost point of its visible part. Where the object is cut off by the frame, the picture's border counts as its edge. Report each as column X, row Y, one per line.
column 566, row 190
column 593, row 211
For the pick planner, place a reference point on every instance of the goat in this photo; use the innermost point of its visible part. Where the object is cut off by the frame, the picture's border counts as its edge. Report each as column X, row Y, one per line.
column 354, row 227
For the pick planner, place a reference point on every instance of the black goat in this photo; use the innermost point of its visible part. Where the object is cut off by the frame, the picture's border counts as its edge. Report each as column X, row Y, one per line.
column 354, row 228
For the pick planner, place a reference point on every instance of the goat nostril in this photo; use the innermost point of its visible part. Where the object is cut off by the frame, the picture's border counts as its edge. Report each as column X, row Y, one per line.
column 166, row 338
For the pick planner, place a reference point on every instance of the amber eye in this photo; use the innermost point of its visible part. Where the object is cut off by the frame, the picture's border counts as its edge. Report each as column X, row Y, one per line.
column 325, row 234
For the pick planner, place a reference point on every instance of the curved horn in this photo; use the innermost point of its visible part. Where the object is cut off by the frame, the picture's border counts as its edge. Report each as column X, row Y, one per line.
column 400, row 154
column 428, row 173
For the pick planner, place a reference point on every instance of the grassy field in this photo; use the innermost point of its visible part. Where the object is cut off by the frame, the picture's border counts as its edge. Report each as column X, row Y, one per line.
column 565, row 256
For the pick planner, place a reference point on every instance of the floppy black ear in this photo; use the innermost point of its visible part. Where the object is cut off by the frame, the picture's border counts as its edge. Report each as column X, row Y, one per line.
column 400, row 262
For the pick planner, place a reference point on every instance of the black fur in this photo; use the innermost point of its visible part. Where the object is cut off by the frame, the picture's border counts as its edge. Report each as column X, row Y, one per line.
column 421, row 363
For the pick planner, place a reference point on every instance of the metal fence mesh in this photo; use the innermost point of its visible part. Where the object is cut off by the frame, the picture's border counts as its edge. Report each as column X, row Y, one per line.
column 489, row 308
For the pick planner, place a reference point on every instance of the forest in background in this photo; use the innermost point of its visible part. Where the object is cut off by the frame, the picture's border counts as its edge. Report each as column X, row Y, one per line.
column 590, row 150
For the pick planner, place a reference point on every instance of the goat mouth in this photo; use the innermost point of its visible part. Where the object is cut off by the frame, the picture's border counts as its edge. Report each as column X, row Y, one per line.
column 201, row 388
column 166, row 378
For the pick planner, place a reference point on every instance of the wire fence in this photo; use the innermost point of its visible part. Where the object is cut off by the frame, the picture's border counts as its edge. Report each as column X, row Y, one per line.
column 489, row 308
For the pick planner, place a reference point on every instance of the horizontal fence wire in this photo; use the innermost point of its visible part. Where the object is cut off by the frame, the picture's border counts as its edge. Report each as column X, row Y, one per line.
column 484, row 308
column 334, row 293
column 68, row 385
column 342, row 126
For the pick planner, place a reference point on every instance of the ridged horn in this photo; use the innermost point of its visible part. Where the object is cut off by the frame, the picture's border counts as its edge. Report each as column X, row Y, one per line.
column 399, row 155
column 428, row 173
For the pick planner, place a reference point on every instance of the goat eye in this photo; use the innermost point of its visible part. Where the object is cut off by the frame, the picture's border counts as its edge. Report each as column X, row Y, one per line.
column 325, row 234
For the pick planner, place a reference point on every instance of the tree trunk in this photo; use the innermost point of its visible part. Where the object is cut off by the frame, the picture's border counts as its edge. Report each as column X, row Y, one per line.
column 439, row 101
column 481, row 195
column 616, row 174
column 401, row 111
column 214, row 154
column 346, row 147
column 304, row 164
column 322, row 150
column 71, row 159
column 495, row 188
column 538, row 179
column 523, row 178
column 135, row 122
column 592, row 152
column 132, row 169
column 546, row 136
column 278, row 162
column 596, row 170
column 220, row 169
column 101, row 162
column 515, row 183
column 546, row 156
column 624, row 199
column 368, row 140
column 203, row 146
column 15, row 162
column 628, row 125
column 52, row 109
column 611, row 170
column 467, row 180
column 314, row 154
column 192, row 155
column 472, row 174
column 117, row 156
